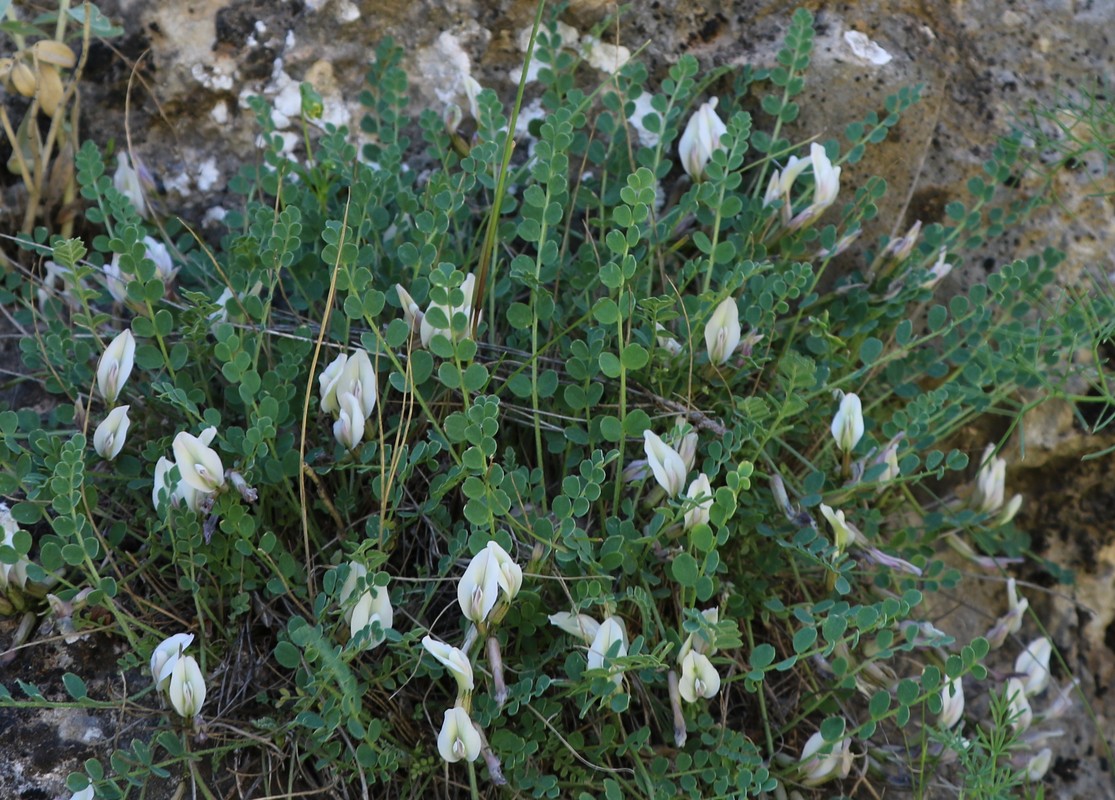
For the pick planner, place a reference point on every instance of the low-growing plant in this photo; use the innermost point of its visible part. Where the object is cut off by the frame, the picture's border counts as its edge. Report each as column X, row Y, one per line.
column 593, row 467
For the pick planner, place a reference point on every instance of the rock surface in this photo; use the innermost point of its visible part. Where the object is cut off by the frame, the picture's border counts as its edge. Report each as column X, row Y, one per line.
column 174, row 86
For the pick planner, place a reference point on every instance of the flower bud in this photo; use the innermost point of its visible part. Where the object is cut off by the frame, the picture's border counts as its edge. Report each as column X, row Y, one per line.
column 817, row 767
column 187, row 688
column 1038, row 764
column 847, row 424
column 990, row 482
column 952, row 704
column 454, row 660
column 411, row 312
column 510, row 574
column 666, row 341
column 374, row 605
column 826, row 186
column 723, row 332
column 938, row 272
column 700, row 497
column 458, row 738
column 844, row 533
column 115, row 366
column 165, row 656
column 127, row 182
column 158, row 254
column 51, row 90
column 1033, row 666
column 699, row 678
column 199, row 464
column 901, row 247
column 607, row 636
column 108, row 439
column 665, row 462
column 50, row 51
column 700, row 139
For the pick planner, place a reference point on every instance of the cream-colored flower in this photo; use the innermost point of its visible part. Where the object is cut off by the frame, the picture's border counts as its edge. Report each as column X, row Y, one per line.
column 723, row 331
column 582, row 626
column 108, row 439
column 1033, row 665
column 847, row 423
column 510, row 574
column 348, row 429
column 817, row 767
column 844, row 533
column 478, row 588
column 116, row 365
column 458, row 738
column 329, row 382
column 701, row 643
column 187, row 687
column 665, row 462
column 701, row 139
column 607, row 636
column 454, row 660
column 199, row 464
column 411, row 312
column 1020, row 712
column 666, row 341
column 699, row 677
column 952, row 703
column 700, row 496
column 373, row 605
column 826, row 186
column 1038, row 764
column 990, row 482
column 127, row 182
column 117, row 280
column 165, row 656
column 427, row 330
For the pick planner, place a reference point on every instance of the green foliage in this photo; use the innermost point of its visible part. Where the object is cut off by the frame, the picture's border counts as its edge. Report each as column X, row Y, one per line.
column 513, row 393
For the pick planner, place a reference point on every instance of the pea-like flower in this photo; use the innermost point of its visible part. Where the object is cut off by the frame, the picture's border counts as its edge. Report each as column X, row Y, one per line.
column 458, row 738
column 952, row 703
column 165, row 656
column 1038, row 764
column 199, row 464
column 582, row 626
column 844, row 533
column 826, row 186
column 373, row 605
column 723, row 331
column 700, row 496
column 411, row 312
column 1011, row 621
column 609, row 634
column 510, row 574
column 701, row 139
column 108, row 439
column 127, row 181
column 427, row 330
column 664, row 340
column 84, row 794
column 991, row 481
column 847, row 423
column 187, row 687
column 1021, row 715
column 115, row 366
column 699, row 677
column 665, row 462
column 157, row 252
column 454, row 660
column 1032, row 665
column 821, row 762
column 329, row 382
column 348, row 430
column 181, row 493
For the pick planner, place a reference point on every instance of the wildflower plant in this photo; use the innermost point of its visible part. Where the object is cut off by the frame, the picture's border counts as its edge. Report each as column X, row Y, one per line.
column 560, row 424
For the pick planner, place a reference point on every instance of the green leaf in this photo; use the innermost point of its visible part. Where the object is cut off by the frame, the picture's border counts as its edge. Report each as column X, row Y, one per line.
column 870, row 350
column 762, row 656
column 685, row 570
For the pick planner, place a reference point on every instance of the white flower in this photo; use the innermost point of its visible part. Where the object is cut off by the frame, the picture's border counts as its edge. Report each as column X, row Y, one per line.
column 472, row 89
column 126, row 180
column 458, row 737
column 952, row 703
column 700, row 643
column 108, row 439
column 1009, row 510
column 116, row 365
column 699, row 677
column 901, row 247
column 187, row 687
column 411, row 312
column 348, row 430
column 1010, row 622
column 847, row 424
column 938, row 272
column 990, row 482
column 844, row 533
column 478, row 588
column 356, row 572
column 199, row 464
column 687, row 449
column 606, row 637
column 510, row 574
column 700, row 495
column 666, row 341
column 359, row 378
column 1020, row 712
column 165, row 656
column 1033, row 665
column 157, row 253
column 454, row 660
column 181, row 493
column 329, row 381
column 817, row 768
column 723, row 331
column 117, row 280
column 700, row 139
column 427, row 330
column 11, row 574
column 582, row 626
column 826, row 186
column 665, row 462
column 374, row 605
column 1038, row 765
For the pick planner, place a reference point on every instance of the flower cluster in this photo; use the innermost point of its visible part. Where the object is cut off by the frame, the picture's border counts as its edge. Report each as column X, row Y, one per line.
column 201, row 473
column 113, row 370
